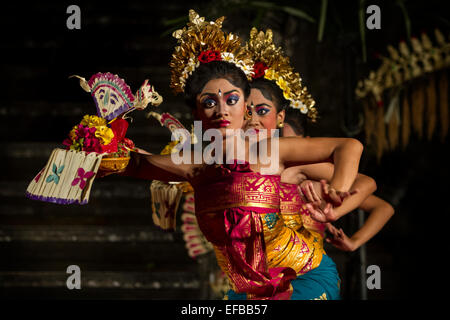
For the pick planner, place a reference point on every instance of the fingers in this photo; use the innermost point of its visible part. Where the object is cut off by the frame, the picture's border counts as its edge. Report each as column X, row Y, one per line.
column 329, row 212
column 335, row 199
column 316, row 196
column 325, row 186
column 332, row 230
column 334, row 233
column 307, row 193
column 316, row 214
column 343, row 195
column 330, row 195
column 309, row 207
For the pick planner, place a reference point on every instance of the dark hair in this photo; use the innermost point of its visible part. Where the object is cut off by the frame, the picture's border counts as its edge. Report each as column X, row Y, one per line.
column 210, row 71
column 296, row 120
column 271, row 91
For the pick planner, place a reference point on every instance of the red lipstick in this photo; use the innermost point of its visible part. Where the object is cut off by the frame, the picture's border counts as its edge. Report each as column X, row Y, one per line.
column 224, row 123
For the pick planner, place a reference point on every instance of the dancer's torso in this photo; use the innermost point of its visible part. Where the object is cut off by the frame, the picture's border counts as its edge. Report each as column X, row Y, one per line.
column 296, row 215
column 220, row 188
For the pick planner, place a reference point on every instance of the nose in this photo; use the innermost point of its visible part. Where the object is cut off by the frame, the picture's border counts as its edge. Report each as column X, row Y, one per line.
column 222, row 109
column 254, row 120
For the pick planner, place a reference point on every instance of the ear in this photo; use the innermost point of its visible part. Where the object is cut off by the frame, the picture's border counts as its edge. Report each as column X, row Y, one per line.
column 280, row 116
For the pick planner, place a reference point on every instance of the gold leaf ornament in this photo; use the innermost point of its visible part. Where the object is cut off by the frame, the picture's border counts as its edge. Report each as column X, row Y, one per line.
column 198, row 36
column 262, row 49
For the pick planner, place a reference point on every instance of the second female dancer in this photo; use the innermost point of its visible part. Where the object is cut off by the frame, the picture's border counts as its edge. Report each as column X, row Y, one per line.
column 268, row 102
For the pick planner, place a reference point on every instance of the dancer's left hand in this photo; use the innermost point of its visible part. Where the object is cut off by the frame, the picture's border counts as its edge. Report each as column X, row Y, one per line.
column 340, row 240
column 322, row 213
column 311, row 191
column 333, row 196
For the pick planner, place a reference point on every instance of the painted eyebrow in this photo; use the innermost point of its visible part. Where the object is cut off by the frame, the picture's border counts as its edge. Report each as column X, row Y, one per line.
column 113, row 95
column 263, row 104
column 215, row 94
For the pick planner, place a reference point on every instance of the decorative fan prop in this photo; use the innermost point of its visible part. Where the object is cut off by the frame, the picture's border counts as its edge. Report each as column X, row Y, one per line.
column 180, row 133
column 113, row 97
column 166, row 196
column 92, row 144
column 407, row 94
column 165, row 200
column 196, row 243
column 67, row 178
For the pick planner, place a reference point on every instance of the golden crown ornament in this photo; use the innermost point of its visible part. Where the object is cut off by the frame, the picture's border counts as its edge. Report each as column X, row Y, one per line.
column 272, row 64
column 202, row 42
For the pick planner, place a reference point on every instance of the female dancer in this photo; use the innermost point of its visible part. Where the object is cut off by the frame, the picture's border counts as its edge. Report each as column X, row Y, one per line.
column 235, row 202
column 266, row 107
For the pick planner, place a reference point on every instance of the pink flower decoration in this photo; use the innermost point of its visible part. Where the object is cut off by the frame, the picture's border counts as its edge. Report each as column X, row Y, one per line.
column 67, row 142
column 82, row 177
column 85, row 132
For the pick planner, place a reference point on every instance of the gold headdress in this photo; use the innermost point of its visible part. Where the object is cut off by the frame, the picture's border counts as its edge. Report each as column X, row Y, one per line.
column 202, row 42
column 271, row 64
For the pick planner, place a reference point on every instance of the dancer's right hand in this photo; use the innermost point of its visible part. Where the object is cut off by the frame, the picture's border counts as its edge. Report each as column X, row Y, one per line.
column 333, row 196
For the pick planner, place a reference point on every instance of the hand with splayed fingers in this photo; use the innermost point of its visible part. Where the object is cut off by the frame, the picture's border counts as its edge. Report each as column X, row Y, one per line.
column 339, row 239
column 322, row 208
column 333, row 196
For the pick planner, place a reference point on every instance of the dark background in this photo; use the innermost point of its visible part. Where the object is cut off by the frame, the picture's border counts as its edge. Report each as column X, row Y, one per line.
column 113, row 239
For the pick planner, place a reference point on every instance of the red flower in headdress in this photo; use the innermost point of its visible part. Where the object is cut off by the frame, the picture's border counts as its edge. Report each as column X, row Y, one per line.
column 209, row 55
column 259, row 69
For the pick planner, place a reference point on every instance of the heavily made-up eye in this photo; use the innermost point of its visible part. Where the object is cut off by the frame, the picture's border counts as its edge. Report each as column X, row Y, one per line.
column 232, row 99
column 262, row 111
column 209, row 103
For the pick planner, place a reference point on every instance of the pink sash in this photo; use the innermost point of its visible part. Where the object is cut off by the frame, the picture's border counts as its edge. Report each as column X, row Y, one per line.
column 227, row 211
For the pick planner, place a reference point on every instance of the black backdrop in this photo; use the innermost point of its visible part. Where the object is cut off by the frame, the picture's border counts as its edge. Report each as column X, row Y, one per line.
column 40, row 104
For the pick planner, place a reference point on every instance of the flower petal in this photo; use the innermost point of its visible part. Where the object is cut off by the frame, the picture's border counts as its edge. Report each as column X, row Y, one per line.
column 75, row 181
column 80, row 172
column 89, row 174
column 60, row 169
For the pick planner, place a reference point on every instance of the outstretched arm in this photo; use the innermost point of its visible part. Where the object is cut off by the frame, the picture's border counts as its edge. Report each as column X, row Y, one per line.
column 380, row 213
column 345, row 153
column 156, row 167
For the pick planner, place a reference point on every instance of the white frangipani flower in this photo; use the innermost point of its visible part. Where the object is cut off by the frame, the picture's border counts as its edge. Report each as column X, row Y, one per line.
column 227, row 56
column 297, row 104
column 303, row 108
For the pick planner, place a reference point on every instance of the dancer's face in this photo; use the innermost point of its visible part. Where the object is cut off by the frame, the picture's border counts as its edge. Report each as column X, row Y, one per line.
column 263, row 112
column 220, row 105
